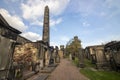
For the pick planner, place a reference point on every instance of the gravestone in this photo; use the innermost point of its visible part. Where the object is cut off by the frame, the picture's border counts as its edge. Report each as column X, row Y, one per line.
column 70, row 56
column 61, row 51
column 57, row 57
column 97, row 56
column 81, row 58
column 51, row 55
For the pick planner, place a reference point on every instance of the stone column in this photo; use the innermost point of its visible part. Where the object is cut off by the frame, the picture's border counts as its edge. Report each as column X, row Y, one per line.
column 46, row 31
column 81, row 58
column 57, row 59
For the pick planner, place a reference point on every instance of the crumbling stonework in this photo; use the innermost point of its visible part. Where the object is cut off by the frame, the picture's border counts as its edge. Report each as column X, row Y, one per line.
column 112, row 53
column 25, row 53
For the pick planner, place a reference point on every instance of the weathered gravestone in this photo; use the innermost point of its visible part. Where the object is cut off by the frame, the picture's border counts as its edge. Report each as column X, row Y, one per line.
column 70, row 56
column 81, row 58
column 57, row 57
column 51, row 55
column 61, row 51
column 96, row 55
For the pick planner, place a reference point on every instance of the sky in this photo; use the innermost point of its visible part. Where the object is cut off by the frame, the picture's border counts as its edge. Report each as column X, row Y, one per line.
column 95, row 22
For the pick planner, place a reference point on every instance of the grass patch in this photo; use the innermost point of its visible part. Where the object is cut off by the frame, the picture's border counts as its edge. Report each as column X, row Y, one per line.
column 100, row 75
column 76, row 62
column 96, row 75
column 88, row 63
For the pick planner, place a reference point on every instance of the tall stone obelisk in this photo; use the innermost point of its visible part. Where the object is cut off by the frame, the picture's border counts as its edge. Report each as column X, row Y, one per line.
column 46, row 31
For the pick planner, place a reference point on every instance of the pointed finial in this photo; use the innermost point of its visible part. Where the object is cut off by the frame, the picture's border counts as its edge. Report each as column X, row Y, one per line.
column 46, row 6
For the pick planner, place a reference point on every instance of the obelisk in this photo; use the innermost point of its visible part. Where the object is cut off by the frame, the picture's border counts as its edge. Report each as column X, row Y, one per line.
column 46, row 31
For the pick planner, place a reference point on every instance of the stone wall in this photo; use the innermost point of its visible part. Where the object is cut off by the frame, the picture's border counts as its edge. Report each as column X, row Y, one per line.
column 8, row 36
column 22, row 40
column 25, row 53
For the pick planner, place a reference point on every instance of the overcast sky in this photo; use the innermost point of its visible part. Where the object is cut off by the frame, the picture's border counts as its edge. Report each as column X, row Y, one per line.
column 93, row 21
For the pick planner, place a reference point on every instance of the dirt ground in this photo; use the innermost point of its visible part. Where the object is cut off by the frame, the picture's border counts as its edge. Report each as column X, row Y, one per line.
column 66, row 71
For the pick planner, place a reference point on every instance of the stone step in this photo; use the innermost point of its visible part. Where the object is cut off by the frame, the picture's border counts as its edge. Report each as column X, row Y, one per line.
column 28, row 74
column 47, row 69
column 39, row 77
column 42, row 77
column 53, row 65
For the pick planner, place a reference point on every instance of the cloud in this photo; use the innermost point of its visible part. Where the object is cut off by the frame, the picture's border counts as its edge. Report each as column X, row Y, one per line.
column 112, row 3
column 113, row 37
column 103, row 14
column 35, row 9
column 85, row 24
column 64, row 38
column 113, row 8
column 85, row 7
column 85, row 44
column 14, row 21
column 95, row 7
column 10, row 1
column 31, row 36
column 100, row 41
column 54, row 44
column 53, row 22
column 37, row 22
column 59, row 40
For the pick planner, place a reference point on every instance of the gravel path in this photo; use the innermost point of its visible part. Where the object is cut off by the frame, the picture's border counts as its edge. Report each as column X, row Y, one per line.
column 66, row 71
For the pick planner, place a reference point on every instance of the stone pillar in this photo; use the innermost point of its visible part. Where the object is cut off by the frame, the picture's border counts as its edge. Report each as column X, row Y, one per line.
column 51, row 55
column 100, row 58
column 47, row 58
column 57, row 58
column 81, row 58
column 46, row 32
column 61, row 51
column 42, row 55
column 70, row 56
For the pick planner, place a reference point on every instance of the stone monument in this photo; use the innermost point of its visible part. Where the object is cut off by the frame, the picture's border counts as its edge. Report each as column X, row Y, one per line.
column 46, row 37
column 46, row 31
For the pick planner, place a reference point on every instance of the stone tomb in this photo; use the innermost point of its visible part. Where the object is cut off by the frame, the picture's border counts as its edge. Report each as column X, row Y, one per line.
column 96, row 55
column 8, row 36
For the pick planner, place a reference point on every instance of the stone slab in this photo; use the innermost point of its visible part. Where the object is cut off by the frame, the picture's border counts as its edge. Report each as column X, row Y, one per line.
column 42, row 77
column 47, row 69
column 28, row 74
column 53, row 65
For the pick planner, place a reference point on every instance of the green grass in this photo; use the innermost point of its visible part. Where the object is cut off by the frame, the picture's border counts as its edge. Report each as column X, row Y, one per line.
column 76, row 61
column 96, row 74
column 100, row 75
column 88, row 63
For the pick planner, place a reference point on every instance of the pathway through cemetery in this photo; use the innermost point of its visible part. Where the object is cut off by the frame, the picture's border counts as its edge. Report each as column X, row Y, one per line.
column 66, row 71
